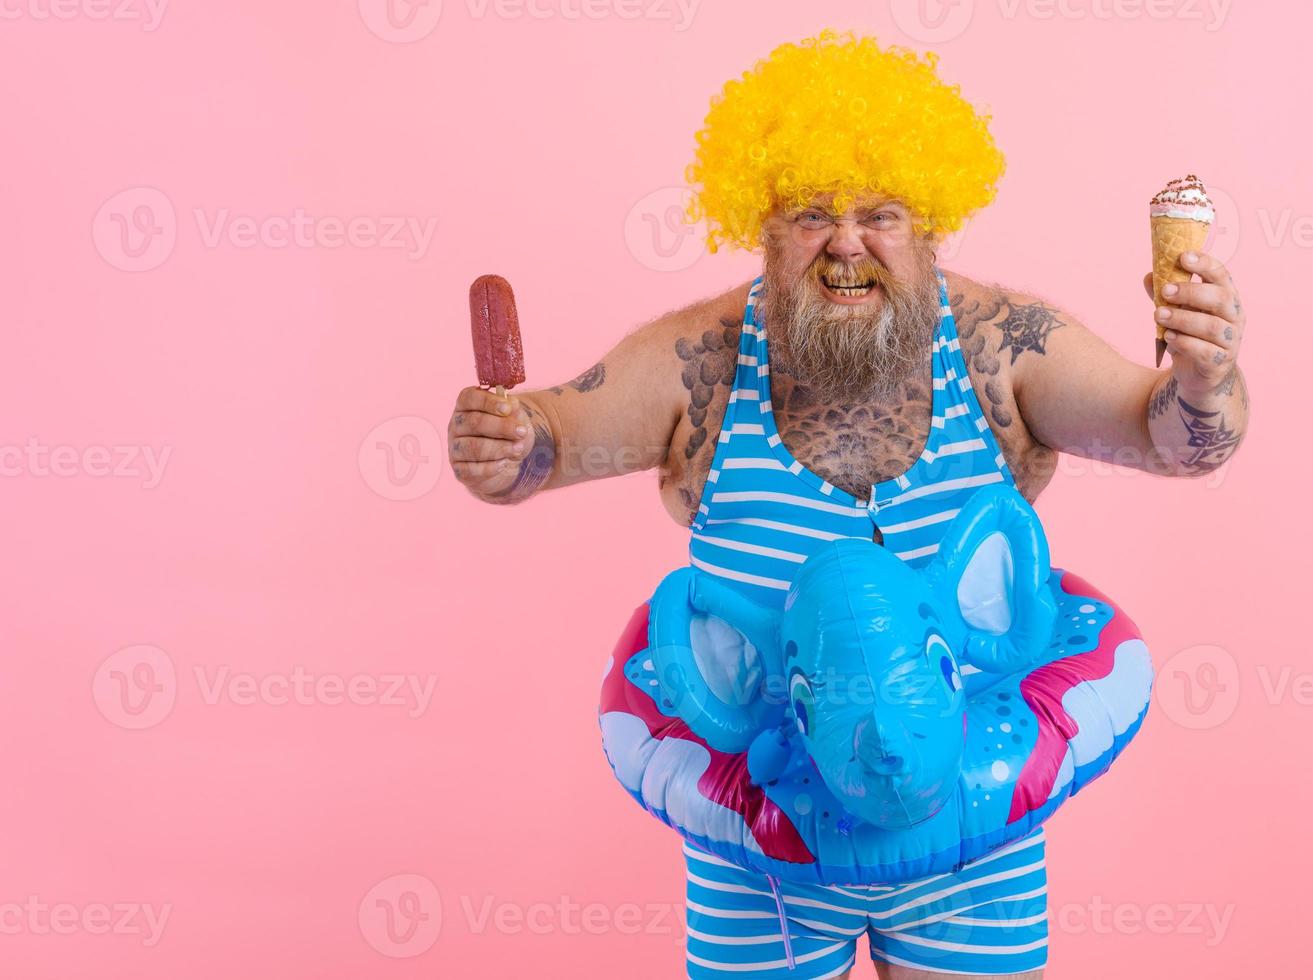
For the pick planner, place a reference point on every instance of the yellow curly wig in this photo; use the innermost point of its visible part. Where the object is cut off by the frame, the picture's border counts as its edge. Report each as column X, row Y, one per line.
column 838, row 114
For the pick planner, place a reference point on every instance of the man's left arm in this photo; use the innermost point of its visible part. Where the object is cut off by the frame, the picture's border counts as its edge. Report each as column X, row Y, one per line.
column 1078, row 395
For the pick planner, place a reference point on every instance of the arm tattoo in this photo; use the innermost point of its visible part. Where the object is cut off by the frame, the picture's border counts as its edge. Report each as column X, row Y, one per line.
column 710, row 361
column 1027, row 326
column 1162, row 398
column 976, row 352
column 590, row 380
column 1210, row 440
column 536, row 467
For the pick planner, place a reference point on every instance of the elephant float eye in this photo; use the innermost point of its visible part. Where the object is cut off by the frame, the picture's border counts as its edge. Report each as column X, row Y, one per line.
column 800, row 697
column 937, row 649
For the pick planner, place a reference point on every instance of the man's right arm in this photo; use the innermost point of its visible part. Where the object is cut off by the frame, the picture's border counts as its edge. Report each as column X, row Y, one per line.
column 617, row 417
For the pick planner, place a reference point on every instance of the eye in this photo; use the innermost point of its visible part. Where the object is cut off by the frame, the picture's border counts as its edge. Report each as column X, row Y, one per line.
column 813, row 219
column 937, row 649
column 879, row 218
column 800, row 696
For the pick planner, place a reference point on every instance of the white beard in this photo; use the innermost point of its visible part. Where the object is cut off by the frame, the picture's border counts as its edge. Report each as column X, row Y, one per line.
column 852, row 353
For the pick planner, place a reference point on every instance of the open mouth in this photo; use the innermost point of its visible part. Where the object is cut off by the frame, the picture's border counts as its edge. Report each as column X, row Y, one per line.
column 849, row 287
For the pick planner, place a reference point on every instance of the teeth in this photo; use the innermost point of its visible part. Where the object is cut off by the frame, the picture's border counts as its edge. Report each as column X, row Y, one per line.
column 850, row 290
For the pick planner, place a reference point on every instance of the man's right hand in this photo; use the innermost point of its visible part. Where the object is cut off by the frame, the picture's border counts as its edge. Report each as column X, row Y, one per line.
column 487, row 438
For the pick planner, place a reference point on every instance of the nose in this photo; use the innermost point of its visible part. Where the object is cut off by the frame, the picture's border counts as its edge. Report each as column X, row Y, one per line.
column 845, row 242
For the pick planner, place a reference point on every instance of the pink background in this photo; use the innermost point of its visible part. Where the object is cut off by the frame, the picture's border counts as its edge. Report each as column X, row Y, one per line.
column 283, row 382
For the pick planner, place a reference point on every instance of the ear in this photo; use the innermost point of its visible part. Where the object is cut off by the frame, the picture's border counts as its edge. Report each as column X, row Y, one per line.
column 991, row 578
column 715, row 654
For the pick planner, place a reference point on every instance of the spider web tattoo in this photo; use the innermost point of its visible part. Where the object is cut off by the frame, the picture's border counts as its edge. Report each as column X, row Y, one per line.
column 1027, row 327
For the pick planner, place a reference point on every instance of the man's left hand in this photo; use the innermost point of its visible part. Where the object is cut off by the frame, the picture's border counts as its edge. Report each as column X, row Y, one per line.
column 1204, row 324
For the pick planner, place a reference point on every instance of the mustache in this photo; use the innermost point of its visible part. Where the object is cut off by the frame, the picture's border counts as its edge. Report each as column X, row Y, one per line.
column 863, row 271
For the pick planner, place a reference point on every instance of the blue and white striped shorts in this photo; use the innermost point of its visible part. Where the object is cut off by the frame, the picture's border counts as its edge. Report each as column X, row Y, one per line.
column 988, row 919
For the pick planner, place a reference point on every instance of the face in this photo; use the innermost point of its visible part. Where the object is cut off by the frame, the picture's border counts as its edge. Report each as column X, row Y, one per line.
column 851, row 301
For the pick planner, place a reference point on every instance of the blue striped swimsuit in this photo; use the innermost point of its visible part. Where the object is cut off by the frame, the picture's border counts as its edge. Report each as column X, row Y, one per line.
column 762, row 514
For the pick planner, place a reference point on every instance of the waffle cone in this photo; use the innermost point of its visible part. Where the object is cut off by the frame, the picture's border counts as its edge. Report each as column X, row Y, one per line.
column 1171, row 237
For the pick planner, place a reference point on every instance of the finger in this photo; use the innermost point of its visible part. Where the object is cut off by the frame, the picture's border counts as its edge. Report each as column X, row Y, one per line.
column 482, row 400
column 476, row 449
column 476, row 473
column 1205, row 266
column 1202, row 296
column 1208, row 360
column 1148, row 284
column 1204, row 326
column 490, row 426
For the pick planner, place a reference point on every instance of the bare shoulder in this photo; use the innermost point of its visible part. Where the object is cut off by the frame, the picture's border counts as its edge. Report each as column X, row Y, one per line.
column 1000, row 331
column 1019, row 322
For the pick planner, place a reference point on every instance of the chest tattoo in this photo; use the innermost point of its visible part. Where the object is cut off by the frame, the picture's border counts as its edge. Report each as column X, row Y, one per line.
column 852, row 446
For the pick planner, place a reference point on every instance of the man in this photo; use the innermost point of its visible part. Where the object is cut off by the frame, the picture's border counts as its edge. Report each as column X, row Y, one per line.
column 856, row 382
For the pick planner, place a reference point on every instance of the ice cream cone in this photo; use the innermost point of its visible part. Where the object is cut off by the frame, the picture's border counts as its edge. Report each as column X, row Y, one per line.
column 1179, row 217
column 1172, row 237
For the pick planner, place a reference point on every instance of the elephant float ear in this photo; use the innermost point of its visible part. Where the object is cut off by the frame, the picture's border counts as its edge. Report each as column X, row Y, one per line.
column 991, row 578
column 716, row 655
